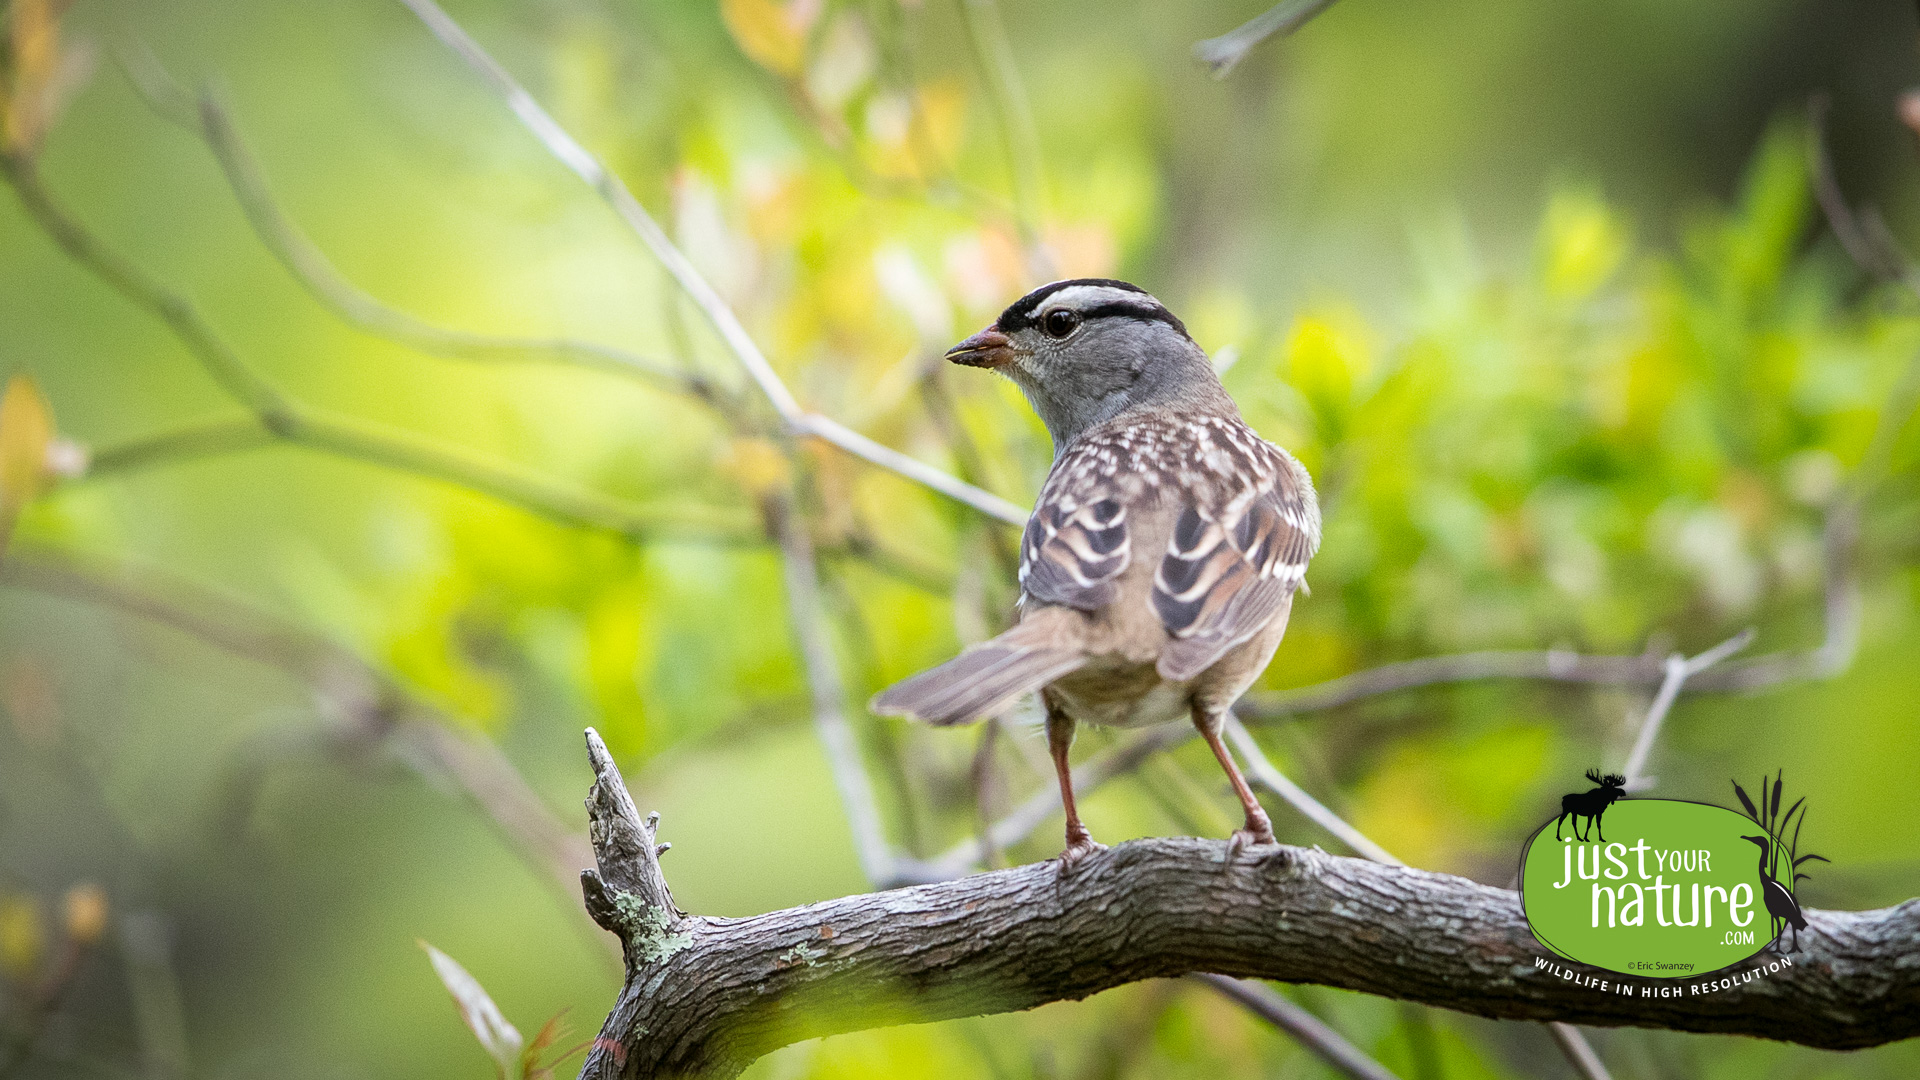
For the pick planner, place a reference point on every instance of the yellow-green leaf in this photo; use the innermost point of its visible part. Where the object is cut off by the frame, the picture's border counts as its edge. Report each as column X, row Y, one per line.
column 33, row 44
column 773, row 34
column 1582, row 243
column 23, row 935
column 26, row 433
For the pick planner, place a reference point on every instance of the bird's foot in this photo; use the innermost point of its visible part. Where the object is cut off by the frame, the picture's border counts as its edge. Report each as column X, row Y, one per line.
column 1243, row 839
column 1078, row 848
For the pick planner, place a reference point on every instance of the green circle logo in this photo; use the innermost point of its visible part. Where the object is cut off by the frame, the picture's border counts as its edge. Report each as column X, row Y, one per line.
column 1656, row 887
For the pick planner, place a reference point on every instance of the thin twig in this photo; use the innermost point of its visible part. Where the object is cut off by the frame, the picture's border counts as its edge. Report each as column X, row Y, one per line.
column 983, row 775
column 1579, row 1052
column 260, row 397
column 209, row 119
column 1013, row 119
column 1868, row 249
column 1263, row 773
column 159, row 1011
column 403, row 452
column 286, row 419
column 615, row 193
column 1554, row 665
column 1043, row 805
column 367, row 706
column 912, row 468
column 1551, row 665
column 1679, row 669
column 882, row 865
column 1221, row 54
column 205, row 438
column 1309, row 1030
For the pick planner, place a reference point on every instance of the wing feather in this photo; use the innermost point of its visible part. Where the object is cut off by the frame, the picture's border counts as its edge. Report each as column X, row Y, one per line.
column 1246, row 525
column 1077, row 542
column 1239, row 549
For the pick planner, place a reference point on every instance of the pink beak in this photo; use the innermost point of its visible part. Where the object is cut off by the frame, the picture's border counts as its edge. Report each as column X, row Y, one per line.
column 987, row 349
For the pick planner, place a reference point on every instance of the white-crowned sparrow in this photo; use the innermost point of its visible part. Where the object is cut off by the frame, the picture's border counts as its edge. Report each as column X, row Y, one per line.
column 1160, row 565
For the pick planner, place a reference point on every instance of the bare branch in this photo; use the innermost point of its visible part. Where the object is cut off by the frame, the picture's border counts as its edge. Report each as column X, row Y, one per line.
column 1222, row 54
column 1870, row 250
column 1044, row 804
column 1678, row 670
column 911, row 468
column 626, row 850
column 611, row 190
column 206, row 438
column 284, row 418
column 259, row 396
column 1578, row 1051
column 367, row 707
column 1013, row 120
column 1263, row 773
column 1549, row 665
column 711, row 995
column 1553, row 665
column 1311, row 1031
column 402, row 452
column 153, row 982
column 207, row 118
column 882, row 865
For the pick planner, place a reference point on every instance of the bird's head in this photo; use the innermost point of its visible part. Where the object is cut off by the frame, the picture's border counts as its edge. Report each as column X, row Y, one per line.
column 1761, row 840
column 1088, row 349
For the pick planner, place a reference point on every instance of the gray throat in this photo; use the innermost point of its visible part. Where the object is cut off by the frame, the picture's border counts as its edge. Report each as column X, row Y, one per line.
column 1180, row 380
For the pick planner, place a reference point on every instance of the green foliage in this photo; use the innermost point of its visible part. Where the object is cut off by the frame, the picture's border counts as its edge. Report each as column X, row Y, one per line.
column 1589, row 421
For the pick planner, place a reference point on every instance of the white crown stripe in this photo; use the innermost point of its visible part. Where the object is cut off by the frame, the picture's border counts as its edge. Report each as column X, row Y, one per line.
column 1085, row 297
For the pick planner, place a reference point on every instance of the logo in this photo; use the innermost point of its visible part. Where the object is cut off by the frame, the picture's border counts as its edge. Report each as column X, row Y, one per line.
column 1681, row 888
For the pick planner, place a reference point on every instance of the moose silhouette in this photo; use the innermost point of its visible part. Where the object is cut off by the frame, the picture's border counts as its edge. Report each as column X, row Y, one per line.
column 1591, row 804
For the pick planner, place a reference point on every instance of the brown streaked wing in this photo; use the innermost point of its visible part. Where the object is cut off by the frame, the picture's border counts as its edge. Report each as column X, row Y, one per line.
column 1077, row 542
column 1072, row 553
column 1231, row 563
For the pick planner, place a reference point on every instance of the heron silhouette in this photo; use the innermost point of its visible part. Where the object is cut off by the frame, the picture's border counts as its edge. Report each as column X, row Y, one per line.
column 1779, row 899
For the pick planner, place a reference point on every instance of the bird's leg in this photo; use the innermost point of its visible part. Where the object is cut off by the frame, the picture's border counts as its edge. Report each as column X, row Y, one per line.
column 1258, row 829
column 1080, row 843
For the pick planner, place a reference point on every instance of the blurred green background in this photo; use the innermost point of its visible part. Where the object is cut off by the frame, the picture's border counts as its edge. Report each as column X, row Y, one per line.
column 1539, row 293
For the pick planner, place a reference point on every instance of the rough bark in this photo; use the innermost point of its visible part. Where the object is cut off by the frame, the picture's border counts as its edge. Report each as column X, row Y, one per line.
column 706, row 996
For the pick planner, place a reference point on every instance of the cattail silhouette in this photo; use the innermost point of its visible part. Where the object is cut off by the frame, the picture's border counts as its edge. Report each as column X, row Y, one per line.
column 1590, row 805
column 1779, row 899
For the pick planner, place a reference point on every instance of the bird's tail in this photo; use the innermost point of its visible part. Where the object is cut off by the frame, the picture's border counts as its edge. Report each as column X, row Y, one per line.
column 979, row 682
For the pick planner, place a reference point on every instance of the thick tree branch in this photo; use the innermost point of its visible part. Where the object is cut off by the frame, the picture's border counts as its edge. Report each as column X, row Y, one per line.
column 706, row 996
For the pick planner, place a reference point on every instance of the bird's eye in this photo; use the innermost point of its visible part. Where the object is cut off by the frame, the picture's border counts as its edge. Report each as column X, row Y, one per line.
column 1060, row 323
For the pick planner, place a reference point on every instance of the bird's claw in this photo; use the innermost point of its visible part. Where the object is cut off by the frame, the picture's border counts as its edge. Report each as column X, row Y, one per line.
column 1243, row 839
column 1078, row 848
